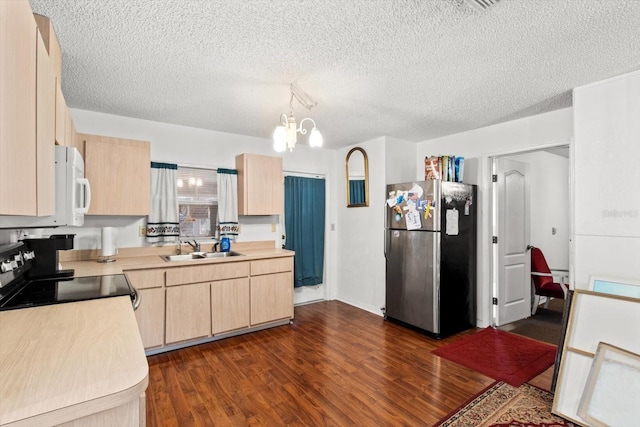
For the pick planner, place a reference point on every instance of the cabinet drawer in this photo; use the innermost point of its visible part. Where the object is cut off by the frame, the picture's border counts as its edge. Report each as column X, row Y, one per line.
column 142, row 279
column 273, row 265
column 206, row 273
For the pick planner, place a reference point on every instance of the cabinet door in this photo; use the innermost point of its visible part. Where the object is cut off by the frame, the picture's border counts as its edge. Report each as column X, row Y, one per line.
column 150, row 317
column 61, row 116
column 188, row 312
column 119, row 171
column 229, row 305
column 271, row 297
column 17, row 109
column 260, row 185
column 45, row 132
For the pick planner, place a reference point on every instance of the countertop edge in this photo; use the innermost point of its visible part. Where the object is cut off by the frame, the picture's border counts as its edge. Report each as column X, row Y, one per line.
column 146, row 262
column 81, row 410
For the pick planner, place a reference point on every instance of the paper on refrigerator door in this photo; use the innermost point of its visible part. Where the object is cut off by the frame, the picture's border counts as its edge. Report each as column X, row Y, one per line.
column 412, row 219
column 452, row 222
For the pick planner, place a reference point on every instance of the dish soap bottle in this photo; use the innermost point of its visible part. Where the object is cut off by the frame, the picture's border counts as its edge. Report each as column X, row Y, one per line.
column 225, row 244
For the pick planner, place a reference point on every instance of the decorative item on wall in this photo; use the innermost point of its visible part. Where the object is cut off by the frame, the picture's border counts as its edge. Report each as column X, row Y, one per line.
column 357, row 174
column 285, row 135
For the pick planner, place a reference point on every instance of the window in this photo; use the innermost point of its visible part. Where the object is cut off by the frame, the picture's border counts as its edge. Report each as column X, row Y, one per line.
column 197, row 201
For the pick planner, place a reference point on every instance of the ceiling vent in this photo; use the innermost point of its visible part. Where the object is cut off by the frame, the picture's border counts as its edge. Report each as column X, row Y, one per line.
column 481, row 5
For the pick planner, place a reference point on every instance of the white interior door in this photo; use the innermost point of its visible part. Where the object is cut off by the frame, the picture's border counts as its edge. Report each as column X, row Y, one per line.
column 512, row 262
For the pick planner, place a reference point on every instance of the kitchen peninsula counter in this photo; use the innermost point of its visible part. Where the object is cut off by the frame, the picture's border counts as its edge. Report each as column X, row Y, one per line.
column 79, row 361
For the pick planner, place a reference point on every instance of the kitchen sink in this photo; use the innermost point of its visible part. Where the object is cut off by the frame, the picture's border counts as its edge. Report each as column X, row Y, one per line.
column 200, row 255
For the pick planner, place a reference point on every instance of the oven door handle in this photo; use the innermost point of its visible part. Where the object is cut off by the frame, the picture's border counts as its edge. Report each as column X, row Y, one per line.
column 136, row 299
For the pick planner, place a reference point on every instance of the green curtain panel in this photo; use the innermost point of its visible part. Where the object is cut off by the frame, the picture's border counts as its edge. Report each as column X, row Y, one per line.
column 356, row 191
column 304, row 204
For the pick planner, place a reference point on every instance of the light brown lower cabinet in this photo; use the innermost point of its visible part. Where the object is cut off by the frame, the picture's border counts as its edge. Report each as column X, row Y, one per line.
column 271, row 297
column 150, row 317
column 229, row 305
column 188, row 312
column 191, row 302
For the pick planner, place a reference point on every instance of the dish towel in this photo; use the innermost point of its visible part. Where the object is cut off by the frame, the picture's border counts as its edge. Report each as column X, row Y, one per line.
column 163, row 223
column 228, row 203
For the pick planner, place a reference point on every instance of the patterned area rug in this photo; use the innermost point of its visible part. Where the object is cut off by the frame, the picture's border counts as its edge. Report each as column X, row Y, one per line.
column 502, row 405
column 500, row 355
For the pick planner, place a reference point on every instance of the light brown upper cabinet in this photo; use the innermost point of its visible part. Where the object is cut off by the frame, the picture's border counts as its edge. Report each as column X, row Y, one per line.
column 26, row 163
column 119, row 171
column 45, row 131
column 260, row 185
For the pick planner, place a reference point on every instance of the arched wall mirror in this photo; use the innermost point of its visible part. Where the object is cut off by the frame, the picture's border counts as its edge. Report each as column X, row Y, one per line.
column 357, row 174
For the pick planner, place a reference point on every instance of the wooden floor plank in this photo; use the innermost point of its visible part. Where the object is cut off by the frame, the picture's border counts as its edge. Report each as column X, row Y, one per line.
column 334, row 365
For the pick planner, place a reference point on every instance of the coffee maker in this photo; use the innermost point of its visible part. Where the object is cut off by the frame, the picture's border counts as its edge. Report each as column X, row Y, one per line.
column 45, row 263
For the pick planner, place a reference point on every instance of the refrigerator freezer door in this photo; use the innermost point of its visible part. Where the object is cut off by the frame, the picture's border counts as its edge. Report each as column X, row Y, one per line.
column 419, row 201
column 412, row 278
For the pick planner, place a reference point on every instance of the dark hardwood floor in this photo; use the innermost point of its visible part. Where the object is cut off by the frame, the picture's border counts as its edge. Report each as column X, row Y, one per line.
column 336, row 365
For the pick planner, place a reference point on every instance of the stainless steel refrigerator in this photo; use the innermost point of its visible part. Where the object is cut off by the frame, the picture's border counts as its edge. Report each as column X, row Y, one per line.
column 430, row 251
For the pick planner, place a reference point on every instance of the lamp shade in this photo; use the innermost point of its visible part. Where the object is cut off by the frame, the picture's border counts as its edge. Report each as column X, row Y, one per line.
column 315, row 139
column 280, row 139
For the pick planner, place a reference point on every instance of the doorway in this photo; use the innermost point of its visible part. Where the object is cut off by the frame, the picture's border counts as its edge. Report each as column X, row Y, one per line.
column 316, row 292
column 546, row 193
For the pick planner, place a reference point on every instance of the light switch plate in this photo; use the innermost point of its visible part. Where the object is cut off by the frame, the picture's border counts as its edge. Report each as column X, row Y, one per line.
column 142, row 231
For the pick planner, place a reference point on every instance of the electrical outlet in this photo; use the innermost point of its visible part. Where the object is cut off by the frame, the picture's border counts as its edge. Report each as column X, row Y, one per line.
column 273, row 228
column 142, row 231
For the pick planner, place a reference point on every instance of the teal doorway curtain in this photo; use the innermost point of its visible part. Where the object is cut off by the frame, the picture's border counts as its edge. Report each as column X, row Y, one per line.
column 304, row 205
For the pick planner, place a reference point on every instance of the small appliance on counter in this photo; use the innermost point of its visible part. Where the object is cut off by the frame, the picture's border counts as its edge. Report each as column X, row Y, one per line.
column 45, row 261
column 19, row 290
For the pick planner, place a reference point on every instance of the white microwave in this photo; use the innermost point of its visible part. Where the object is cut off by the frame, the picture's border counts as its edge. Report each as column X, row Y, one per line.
column 73, row 195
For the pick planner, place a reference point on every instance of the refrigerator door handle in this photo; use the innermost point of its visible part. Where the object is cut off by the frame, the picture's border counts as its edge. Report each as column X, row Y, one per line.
column 386, row 245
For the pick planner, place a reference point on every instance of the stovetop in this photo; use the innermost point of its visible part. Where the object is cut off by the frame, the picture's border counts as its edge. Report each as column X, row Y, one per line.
column 44, row 292
column 19, row 290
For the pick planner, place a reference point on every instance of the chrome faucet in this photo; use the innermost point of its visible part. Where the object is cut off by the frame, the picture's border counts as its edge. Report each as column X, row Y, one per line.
column 195, row 245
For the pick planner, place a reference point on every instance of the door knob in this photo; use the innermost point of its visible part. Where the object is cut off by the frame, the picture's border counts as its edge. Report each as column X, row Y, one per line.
column 529, row 247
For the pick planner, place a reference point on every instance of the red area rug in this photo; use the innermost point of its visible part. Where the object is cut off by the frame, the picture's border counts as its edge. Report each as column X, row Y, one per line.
column 501, row 405
column 501, row 355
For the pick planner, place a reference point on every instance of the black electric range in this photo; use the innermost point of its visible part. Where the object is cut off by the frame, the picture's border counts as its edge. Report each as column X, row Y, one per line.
column 17, row 290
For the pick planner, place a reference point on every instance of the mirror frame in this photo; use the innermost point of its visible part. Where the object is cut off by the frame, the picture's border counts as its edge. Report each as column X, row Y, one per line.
column 366, row 178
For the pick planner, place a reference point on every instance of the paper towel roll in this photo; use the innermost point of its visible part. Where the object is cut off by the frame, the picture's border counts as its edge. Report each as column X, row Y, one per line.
column 108, row 241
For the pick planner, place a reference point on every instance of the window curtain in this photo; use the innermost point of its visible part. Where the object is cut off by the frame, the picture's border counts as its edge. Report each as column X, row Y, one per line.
column 356, row 191
column 163, row 222
column 227, row 203
column 304, row 205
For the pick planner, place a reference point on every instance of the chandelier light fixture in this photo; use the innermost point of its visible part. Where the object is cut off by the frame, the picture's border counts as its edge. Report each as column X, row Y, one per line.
column 285, row 135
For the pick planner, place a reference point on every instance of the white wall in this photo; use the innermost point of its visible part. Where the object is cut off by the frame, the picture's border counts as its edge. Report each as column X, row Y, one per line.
column 521, row 135
column 550, row 208
column 400, row 163
column 607, row 179
column 360, row 238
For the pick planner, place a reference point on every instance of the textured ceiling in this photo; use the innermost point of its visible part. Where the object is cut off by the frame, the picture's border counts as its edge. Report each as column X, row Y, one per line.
column 410, row 69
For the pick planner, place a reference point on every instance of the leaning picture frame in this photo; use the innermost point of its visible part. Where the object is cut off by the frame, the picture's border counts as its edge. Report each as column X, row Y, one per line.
column 612, row 391
column 615, row 286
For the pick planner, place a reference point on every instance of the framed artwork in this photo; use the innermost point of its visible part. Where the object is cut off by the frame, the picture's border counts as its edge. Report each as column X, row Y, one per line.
column 594, row 318
column 612, row 391
column 621, row 287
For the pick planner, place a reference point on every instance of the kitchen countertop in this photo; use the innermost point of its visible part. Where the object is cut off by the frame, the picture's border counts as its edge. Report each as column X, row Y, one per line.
column 94, row 268
column 64, row 361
